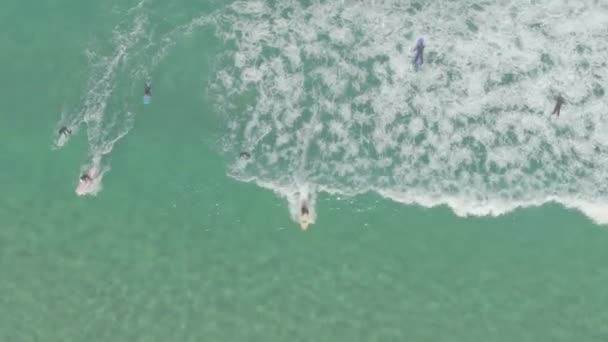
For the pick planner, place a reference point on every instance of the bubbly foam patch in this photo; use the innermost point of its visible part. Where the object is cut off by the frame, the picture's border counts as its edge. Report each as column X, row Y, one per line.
column 324, row 93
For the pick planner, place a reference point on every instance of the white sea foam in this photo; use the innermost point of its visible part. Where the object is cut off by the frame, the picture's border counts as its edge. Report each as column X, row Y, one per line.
column 337, row 104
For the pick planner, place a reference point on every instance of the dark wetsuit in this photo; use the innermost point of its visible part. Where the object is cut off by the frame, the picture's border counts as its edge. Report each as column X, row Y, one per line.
column 148, row 89
column 64, row 130
column 304, row 210
column 244, row 155
column 85, row 178
column 558, row 106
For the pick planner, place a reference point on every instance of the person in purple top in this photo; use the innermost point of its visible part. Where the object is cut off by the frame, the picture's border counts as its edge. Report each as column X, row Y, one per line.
column 419, row 59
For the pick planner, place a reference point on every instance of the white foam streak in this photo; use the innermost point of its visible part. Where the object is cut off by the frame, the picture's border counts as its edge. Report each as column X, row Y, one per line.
column 107, row 120
column 339, row 106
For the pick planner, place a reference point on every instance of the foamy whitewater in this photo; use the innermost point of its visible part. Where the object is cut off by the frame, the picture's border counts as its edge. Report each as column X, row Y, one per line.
column 324, row 96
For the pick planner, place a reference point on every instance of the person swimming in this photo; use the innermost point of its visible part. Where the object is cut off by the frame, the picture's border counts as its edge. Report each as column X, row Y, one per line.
column 304, row 210
column 419, row 59
column 148, row 88
column 244, row 155
column 558, row 105
column 65, row 131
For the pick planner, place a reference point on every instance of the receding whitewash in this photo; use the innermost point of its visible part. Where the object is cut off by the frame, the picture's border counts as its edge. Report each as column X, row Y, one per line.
column 335, row 88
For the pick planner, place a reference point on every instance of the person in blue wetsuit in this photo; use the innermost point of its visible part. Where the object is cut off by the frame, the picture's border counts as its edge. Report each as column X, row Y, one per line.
column 419, row 59
column 148, row 89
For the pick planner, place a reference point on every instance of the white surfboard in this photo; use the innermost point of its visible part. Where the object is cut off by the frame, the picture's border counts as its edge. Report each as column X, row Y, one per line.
column 61, row 140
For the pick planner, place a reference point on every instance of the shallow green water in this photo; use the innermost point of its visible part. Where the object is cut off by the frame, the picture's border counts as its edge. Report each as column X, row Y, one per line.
column 172, row 249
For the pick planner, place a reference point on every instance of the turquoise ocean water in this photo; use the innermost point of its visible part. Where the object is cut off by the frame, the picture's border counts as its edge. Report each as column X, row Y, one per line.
column 448, row 205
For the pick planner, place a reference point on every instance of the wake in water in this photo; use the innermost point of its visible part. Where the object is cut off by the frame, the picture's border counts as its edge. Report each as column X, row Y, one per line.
column 107, row 107
column 323, row 94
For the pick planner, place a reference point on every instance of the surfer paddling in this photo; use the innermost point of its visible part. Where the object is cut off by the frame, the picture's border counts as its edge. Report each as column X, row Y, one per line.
column 304, row 210
column 85, row 179
column 148, row 88
column 419, row 59
column 65, row 131
column 148, row 92
column 304, row 217
column 558, row 105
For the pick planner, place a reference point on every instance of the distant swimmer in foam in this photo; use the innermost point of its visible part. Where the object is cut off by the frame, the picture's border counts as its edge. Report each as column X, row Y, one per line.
column 558, row 105
column 64, row 131
column 245, row 155
column 419, row 59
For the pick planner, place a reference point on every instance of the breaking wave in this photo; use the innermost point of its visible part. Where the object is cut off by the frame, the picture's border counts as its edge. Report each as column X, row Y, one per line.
column 323, row 95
